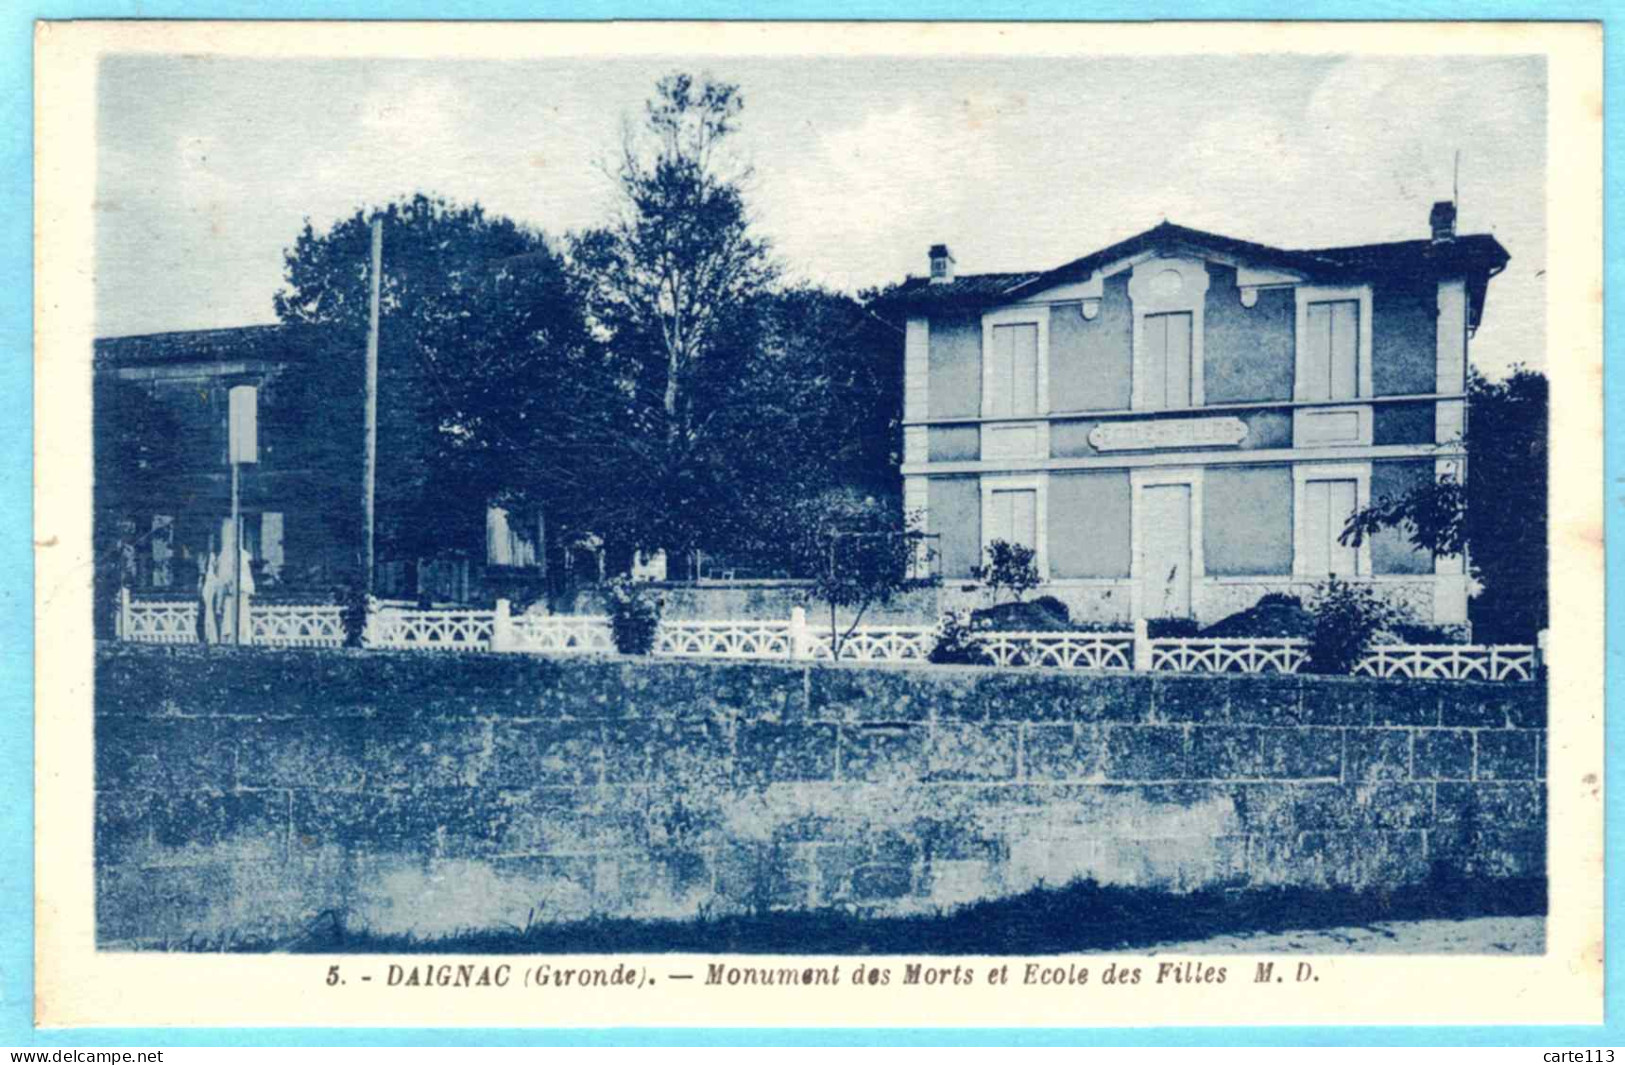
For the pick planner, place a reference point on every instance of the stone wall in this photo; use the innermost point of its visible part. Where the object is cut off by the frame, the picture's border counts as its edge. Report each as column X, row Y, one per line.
column 250, row 793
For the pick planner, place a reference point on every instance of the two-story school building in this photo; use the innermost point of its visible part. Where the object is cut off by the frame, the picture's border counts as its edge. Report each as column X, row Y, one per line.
column 1182, row 422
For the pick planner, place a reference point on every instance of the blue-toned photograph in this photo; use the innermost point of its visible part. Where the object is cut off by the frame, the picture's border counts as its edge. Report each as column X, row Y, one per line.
column 842, row 505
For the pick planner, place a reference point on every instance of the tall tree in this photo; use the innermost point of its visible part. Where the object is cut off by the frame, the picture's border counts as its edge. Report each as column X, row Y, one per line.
column 816, row 409
column 137, row 447
column 1497, row 514
column 672, row 284
column 484, row 358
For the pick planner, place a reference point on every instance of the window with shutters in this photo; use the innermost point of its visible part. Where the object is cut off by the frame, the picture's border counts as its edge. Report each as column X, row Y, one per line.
column 1165, row 361
column 270, row 546
column 1325, row 507
column 1331, row 351
column 1012, row 516
column 1012, row 377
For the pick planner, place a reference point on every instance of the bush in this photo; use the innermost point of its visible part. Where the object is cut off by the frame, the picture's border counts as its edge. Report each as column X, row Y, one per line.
column 956, row 642
column 634, row 616
column 1012, row 567
column 1041, row 615
column 1274, row 615
column 1428, row 634
column 1054, row 606
column 1347, row 619
column 1171, row 628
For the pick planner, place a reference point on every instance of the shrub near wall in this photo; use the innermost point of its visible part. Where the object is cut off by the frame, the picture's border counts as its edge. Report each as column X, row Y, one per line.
column 250, row 793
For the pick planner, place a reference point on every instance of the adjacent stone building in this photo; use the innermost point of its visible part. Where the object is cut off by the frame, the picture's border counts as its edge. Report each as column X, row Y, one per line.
column 163, row 482
column 1182, row 422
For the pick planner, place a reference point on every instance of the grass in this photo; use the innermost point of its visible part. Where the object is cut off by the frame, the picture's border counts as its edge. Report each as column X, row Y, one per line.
column 1082, row 916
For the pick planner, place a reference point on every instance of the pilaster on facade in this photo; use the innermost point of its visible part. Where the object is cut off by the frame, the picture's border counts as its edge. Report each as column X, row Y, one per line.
column 1450, row 571
column 1450, row 418
column 916, row 512
column 917, row 370
column 1452, row 335
column 916, row 445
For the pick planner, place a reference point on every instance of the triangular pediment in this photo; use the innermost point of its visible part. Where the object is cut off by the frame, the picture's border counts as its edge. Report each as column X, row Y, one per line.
column 1083, row 278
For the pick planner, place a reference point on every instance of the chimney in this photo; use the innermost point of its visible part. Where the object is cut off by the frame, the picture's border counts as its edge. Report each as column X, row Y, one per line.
column 1442, row 220
column 942, row 264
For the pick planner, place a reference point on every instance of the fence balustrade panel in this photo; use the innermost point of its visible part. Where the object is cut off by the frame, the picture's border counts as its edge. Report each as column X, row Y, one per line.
column 1060, row 650
column 150, row 621
column 877, row 643
column 432, row 629
column 724, row 639
column 1450, row 662
column 561, row 632
column 1228, row 655
column 286, row 625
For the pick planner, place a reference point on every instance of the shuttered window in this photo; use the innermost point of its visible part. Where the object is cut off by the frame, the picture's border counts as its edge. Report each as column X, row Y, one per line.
column 1166, row 361
column 1326, row 509
column 1013, row 517
column 1013, row 372
column 271, row 541
column 1331, row 351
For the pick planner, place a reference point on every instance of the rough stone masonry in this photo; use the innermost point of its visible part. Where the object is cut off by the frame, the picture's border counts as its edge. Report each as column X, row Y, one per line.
column 247, row 793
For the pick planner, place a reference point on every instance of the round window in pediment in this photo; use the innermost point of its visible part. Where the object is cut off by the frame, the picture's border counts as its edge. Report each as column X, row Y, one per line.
column 1167, row 283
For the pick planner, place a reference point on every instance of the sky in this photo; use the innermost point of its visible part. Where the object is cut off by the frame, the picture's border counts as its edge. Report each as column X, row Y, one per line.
column 209, row 167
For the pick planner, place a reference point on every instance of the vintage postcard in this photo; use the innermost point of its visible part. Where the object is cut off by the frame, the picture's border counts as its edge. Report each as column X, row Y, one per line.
column 819, row 524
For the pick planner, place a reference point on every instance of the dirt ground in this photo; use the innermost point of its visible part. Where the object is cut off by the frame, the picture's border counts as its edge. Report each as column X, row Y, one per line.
column 1479, row 935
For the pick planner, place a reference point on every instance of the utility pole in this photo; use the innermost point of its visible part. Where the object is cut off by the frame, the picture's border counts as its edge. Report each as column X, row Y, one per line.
column 236, row 554
column 369, row 469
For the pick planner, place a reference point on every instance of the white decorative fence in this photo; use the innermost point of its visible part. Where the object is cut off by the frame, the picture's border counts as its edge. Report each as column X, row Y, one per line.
column 553, row 632
column 406, row 627
column 437, row 629
column 876, row 643
column 725, row 639
column 1061, row 650
column 1450, row 662
column 1220, row 655
column 296, row 625
column 1285, row 655
column 149, row 621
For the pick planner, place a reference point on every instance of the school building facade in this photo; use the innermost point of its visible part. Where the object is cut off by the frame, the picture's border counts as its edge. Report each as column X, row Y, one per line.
column 1181, row 423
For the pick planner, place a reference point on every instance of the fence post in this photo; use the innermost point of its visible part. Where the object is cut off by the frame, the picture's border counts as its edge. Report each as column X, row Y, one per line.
column 1542, row 639
column 245, row 620
column 369, row 629
column 123, row 620
column 501, row 628
column 798, row 633
column 1142, row 645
